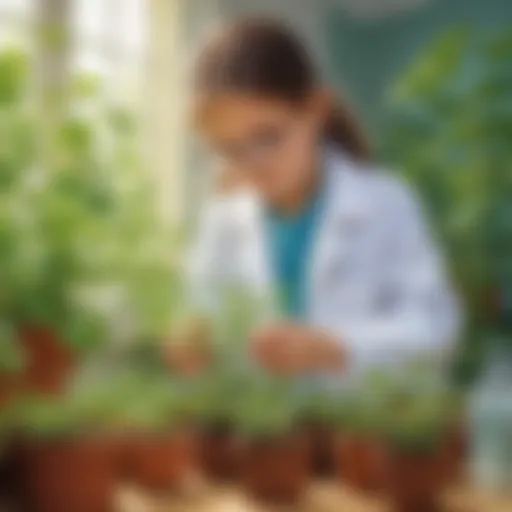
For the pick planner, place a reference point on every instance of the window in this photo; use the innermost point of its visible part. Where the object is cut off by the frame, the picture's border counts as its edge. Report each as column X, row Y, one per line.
column 15, row 20
column 109, row 39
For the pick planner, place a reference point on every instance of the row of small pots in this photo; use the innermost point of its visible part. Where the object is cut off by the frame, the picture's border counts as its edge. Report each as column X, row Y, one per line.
column 81, row 475
column 283, row 469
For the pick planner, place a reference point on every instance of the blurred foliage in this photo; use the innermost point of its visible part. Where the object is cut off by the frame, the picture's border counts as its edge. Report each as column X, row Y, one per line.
column 127, row 401
column 449, row 126
column 83, row 249
column 419, row 409
column 268, row 408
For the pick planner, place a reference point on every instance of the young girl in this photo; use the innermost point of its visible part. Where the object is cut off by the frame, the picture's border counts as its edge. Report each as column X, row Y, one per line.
column 315, row 216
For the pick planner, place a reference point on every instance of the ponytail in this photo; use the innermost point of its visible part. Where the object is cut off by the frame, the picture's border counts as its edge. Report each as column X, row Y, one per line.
column 344, row 131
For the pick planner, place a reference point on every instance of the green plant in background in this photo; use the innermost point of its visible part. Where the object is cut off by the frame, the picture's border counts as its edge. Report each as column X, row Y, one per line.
column 83, row 250
column 448, row 127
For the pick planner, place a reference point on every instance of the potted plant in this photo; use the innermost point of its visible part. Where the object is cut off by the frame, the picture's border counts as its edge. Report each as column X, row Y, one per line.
column 159, row 438
column 274, row 454
column 217, row 448
column 69, row 459
column 224, row 381
column 419, row 454
column 359, row 447
column 40, row 265
column 319, row 418
column 359, row 451
column 92, row 260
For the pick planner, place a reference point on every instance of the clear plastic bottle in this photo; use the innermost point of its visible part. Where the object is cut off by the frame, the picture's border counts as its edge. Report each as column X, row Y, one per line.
column 491, row 425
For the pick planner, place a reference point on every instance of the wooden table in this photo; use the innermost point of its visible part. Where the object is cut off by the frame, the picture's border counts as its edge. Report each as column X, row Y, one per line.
column 323, row 497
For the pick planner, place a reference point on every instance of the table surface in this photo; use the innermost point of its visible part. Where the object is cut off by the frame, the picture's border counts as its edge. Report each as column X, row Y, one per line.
column 323, row 497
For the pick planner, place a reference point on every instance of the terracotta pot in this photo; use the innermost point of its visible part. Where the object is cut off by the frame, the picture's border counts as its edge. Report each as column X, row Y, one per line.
column 160, row 462
column 415, row 482
column 322, row 442
column 275, row 470
column 50, row 363
column 217, row 452
column 71, row 476
column 455, row 454
column 360, row 462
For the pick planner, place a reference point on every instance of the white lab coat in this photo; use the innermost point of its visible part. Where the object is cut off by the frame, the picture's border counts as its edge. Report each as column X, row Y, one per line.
column 376, row 278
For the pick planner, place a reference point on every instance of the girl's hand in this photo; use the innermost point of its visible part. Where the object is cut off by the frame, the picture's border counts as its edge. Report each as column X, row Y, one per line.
column 298, row 349
column 189, row 348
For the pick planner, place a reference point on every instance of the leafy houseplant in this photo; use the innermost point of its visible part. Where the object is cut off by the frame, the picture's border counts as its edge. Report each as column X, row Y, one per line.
column 360, row 419
column 274, row 456
column 225, row 379
column 218, row 392
column 448, row 128
column 319, row 417
column 91, row 261
column 419, row 430
column 159, row 438
column 37, row 265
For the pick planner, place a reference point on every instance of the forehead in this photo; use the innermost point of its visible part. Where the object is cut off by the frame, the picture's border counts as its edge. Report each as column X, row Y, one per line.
column 233, row 115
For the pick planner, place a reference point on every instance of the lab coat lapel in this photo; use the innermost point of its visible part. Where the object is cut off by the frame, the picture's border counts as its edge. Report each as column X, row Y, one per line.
column 255, row 253
column 346, row 208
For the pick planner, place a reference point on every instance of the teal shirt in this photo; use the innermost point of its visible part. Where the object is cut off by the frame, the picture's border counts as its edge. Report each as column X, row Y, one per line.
column 291, row 241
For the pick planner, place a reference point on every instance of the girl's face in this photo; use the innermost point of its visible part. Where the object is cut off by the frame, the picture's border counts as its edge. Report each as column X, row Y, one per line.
column 271, row 144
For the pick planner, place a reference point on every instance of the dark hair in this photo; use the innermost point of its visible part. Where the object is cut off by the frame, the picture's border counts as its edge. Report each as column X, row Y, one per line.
column 263, row 56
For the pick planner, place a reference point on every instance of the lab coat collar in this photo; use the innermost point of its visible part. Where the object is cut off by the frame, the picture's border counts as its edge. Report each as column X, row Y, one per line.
column 347, row 199
column 346, row 195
